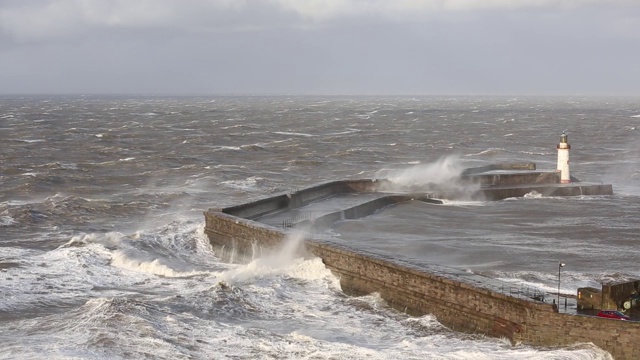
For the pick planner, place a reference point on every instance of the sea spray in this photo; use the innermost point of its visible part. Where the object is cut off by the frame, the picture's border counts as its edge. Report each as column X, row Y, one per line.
column 442, row 177
column 290, row 252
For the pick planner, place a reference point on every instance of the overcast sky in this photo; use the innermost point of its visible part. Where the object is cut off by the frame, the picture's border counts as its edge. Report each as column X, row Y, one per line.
column 510, row 47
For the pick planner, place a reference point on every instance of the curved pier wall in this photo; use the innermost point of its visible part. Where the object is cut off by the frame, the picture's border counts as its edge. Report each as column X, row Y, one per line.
column 502, row 167
column 499, row 193
column 299, row 198
column 355, row 212
column 239, row 240
column 509, row 179
column 458, row 305
column 258, row 208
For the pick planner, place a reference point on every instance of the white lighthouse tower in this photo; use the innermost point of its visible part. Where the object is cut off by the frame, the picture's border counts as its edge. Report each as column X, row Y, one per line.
column 563, row 159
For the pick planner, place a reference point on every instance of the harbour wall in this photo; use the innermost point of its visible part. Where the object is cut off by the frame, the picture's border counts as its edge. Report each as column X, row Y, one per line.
column 236, row 236
column 302, row 197
column 456, row 304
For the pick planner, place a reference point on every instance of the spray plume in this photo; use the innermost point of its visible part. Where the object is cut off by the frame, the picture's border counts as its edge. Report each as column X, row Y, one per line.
column 276, row 262
column 442, row 177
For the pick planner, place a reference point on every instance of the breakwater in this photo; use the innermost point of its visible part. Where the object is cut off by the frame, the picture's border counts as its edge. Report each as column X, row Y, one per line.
column 246, row 231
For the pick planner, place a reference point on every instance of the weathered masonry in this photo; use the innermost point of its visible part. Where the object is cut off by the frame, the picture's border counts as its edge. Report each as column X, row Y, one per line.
column 243, row 232
column 622, row 295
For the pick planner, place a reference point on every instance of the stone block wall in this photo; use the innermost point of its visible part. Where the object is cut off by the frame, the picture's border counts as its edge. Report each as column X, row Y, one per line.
column 499, row 193
column 239, row 240
column 506, row 166
column 302, row 197
column 321, row 191
column 514, row 178
column 258, row 208
column 461, row 306
column 456, row 304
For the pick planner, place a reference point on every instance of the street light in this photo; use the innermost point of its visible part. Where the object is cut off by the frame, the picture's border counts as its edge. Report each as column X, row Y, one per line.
column 560, row 266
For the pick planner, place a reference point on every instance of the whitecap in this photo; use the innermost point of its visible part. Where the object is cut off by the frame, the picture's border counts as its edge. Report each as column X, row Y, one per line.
column 488, row 152
column 533, row 195
column 7, row 221
column 68, row 165
column 249, row 183
column 347, row 132
column 293, row 133
column 226, row 148
column 21, row 202
column 109, row 239
column 463, row 203
column 122, row 260
column 535, row 153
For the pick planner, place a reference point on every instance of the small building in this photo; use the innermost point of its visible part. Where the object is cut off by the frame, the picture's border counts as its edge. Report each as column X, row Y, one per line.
column 620, row 296
column 589, row 298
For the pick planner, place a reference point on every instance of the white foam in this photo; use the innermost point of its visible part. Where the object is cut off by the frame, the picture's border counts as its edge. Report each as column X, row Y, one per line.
column 447, row 202
column 488, row 152
column 533, row 195
column 293, row 133
column 6, row 220
column 313, row 269
column 80, row 268
column 548, row 281
column 278, row 317
column 123, row 260
column 247, row 184
column 108, row 239
column 276, row 262
column 348, row 131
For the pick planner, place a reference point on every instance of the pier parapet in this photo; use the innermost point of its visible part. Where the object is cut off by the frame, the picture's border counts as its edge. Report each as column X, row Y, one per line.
column 460, row 301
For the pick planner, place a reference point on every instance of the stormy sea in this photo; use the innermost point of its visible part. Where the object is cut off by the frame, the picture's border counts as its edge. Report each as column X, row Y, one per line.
column 103, row 255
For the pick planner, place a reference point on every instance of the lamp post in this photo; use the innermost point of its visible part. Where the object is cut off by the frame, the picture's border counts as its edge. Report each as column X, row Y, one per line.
column 560, row 266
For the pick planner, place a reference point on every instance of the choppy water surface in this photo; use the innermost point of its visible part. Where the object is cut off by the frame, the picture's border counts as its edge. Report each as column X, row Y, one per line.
column 101, row 198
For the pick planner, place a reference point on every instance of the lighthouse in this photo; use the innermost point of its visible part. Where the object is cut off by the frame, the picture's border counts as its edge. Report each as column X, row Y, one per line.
column 563, row 159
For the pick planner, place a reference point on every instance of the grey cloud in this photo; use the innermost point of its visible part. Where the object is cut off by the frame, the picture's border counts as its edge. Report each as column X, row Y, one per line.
column 29, row 21
column 353, row 47
column 38, row 19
